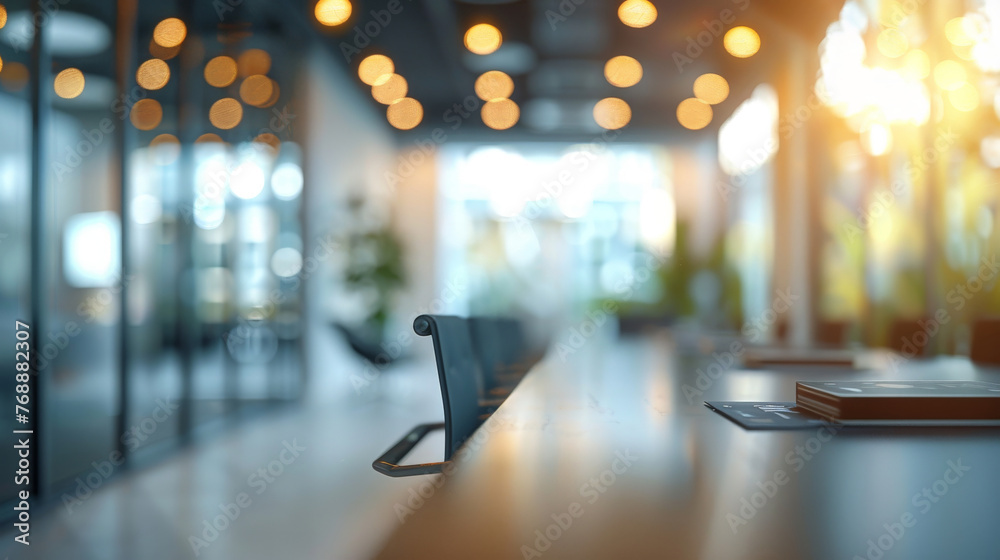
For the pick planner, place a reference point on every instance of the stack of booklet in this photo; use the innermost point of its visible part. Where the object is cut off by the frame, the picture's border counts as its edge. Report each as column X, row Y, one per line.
column 872, row 403
column 899, row 400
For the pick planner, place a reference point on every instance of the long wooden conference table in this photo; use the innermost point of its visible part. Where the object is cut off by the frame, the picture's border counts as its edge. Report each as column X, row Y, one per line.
column 607, row 452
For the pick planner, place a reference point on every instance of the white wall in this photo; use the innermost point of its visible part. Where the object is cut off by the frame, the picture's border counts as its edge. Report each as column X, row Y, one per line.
column 347, row 147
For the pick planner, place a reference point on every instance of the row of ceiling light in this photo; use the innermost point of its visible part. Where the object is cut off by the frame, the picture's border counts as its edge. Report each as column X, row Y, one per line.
column 256, row 89
column 495, row 87
column 377, row 71
column 695, row 113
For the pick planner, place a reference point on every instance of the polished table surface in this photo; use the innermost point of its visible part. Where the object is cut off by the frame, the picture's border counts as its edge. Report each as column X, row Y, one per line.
column 608, row 452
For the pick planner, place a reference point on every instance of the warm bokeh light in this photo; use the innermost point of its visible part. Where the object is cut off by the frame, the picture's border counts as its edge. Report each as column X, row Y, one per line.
column 146, row 114
column 161, row 52
column 275, row 94
column 956, row 32
column 963, row 51
column 694, row 114
column 269, row 142
column 637, row 13
column 483, row 38
column 877, row 139
column 209, row 138
column 494, row 85
column 949, row 75
column 3, row 15
column 374, row 67
column 748, row 138
column 986, row 54
column 253, row 61
column 612, row 113
column 333, row 12
column 404, row 113
column 256, row 90
column 170, row 32
column 153, row 74
column 856, row 89
column 657, row 221
column 916, row 65
column 14, row 76
column 388, row 88
column 1, row 64
column 741, row 42
column 166, row 149
column 965, row 97
column 500, row 114
column 989, row 150
column 69, row 83
column 711, row 88
column 220, row 71
column 892, row 43
column 623, row 71
column 225, row 113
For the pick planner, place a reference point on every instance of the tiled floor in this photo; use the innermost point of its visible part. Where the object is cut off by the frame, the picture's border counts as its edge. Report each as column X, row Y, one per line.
column 322, row 500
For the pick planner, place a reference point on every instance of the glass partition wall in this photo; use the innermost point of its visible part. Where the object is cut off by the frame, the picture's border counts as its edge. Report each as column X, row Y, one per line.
column 150, row 225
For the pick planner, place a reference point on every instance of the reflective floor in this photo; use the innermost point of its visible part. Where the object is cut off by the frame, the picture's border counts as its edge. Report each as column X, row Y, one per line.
column 297, row 483
column 315, row 497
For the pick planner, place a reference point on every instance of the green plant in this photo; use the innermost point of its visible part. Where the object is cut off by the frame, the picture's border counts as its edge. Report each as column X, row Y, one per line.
column 375, row 267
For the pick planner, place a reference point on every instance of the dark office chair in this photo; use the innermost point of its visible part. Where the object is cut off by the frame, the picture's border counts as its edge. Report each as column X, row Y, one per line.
column 503, row 353
column 908, row 336
column 460, row 377
column 985, row 345
column 834, row 334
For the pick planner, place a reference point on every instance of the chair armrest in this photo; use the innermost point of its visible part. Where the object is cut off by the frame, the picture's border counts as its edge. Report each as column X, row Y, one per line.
column 387, row 463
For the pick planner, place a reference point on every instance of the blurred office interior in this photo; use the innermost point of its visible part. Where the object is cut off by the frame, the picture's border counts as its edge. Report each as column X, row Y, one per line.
column 226, row 212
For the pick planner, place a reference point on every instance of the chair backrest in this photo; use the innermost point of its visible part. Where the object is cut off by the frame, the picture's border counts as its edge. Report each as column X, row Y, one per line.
column 502, row 350
column 984, row 347
column 909, row 337
column 458, row 373
column 831, row 333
